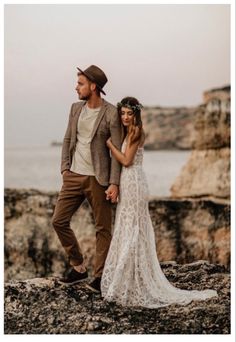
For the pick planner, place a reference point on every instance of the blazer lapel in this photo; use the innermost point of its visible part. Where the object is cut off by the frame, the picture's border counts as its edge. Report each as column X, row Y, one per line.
column 99, row 118
column 76, row 117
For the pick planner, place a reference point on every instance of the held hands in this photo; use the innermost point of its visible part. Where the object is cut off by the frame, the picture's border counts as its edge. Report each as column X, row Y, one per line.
column 112, row 193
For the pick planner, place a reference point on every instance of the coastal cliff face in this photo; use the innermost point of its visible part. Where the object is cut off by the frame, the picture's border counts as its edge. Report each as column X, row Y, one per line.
column 207, row 172
column 206, row 126
column 168, row 128
column 44, row 306
column 185, row 230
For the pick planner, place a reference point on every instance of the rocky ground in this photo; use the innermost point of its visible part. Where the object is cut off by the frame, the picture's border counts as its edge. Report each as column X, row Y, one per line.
column 44, row 306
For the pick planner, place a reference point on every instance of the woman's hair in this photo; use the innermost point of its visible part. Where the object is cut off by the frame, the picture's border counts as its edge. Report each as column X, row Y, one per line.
column 135, row 131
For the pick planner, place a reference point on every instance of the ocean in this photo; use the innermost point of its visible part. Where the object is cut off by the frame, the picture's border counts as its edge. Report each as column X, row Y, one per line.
column 39, row 168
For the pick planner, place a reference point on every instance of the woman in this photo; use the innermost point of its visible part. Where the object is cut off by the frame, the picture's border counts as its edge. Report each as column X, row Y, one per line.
column 132, row 275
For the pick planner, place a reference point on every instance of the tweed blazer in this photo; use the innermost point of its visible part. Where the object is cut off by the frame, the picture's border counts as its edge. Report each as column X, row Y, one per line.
column 107, row 168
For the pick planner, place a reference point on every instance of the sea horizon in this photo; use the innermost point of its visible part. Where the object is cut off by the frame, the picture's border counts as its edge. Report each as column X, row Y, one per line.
column 38, row 167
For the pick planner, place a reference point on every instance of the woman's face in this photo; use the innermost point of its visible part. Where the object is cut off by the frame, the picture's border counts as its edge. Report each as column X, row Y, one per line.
column 127, row 116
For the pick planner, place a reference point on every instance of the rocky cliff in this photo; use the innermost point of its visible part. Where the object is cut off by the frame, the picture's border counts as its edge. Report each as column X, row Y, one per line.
column 168, row 128
column 43, row 306
column 175, row 127
column 207, row 172
column 186, row 230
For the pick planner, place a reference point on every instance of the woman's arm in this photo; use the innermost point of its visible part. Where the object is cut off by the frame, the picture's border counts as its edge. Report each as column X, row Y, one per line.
column 115, row 133
column 127, row 157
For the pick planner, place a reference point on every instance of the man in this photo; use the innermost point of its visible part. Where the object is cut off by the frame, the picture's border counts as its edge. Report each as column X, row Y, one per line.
column 89, row 172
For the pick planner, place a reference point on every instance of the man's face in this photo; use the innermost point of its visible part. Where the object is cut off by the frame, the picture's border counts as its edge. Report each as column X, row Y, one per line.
column 83, row 88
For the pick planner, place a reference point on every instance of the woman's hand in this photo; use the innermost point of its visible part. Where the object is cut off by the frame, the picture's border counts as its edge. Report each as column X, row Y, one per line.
column 109, row 142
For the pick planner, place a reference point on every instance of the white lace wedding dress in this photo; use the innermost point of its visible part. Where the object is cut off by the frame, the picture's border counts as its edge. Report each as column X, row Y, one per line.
column 132, row 275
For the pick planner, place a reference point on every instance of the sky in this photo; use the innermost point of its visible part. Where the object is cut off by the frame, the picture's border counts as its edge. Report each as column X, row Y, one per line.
column 165, row 55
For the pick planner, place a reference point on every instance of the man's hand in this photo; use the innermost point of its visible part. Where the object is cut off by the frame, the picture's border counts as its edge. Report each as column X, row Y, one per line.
column 112, row 193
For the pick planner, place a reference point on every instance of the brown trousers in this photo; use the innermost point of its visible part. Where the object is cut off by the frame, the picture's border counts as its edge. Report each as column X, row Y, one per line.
column 75, row 189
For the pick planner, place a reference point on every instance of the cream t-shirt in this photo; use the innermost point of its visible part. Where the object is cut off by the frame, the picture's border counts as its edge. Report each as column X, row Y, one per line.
column 82, row 159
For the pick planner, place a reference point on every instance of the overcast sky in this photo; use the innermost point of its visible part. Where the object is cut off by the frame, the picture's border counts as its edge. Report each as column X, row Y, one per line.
column 164, row 55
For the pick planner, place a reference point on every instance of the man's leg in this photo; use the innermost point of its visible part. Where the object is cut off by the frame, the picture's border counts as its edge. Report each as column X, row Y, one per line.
column 69, row 200
column 102, row 211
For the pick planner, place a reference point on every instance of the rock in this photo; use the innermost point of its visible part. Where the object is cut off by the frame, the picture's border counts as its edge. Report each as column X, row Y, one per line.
column 212, row 120
column 207, row 171
column 211, row 129
column 43, row 306
column 186, row 230
column 168, row 128
column 218, row 97
column 32, row 247
column 206, row 126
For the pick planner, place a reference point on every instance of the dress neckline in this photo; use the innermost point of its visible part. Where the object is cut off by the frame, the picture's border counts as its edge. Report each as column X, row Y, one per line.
column 139, row 148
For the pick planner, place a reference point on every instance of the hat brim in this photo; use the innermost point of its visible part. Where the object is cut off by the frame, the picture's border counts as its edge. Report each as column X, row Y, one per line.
column 89, row 77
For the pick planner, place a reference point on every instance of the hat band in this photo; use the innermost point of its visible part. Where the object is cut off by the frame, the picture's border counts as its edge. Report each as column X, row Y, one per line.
column 92, row 79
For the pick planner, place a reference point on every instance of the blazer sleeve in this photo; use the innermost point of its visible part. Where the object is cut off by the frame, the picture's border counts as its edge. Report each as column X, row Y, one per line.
column 65, row 153
column 115, row 130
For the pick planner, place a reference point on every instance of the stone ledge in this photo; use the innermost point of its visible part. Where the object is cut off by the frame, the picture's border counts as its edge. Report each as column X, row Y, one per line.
column 186, row 230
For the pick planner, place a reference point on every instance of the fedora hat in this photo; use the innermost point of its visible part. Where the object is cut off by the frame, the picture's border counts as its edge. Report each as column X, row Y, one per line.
column 96, row 75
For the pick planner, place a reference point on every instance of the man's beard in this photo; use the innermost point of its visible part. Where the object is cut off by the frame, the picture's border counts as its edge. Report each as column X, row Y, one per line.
column 84, row 97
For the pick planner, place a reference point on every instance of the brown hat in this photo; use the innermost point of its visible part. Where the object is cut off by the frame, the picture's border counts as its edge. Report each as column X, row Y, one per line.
column 96, row 75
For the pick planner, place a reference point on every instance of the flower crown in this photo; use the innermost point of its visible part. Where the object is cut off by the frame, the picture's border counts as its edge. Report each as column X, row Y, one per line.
column 128, row 105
